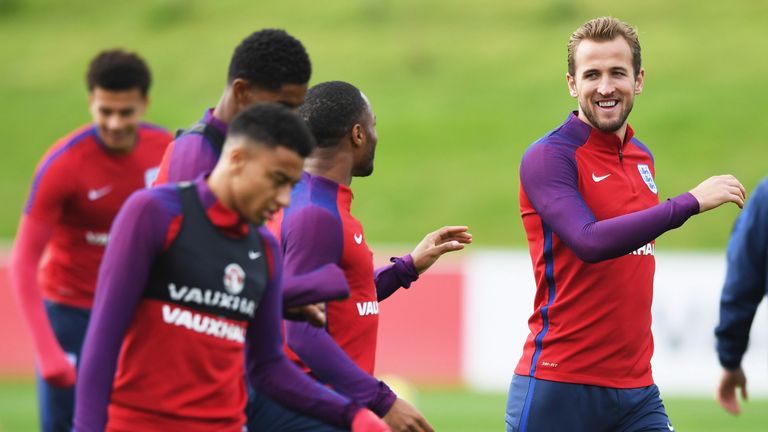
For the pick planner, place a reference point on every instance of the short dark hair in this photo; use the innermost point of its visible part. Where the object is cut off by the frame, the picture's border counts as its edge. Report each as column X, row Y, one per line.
column 331, row 109
column 273, row 125
column 118, row 70
column 270, row 58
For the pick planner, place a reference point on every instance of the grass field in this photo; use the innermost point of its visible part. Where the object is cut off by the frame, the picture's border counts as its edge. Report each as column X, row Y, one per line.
column 460, row 90
column 449, row 410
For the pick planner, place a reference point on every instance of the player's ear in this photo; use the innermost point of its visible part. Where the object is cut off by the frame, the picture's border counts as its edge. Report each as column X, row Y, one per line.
column 237, row 157
column 358, row 135
column 241, row 91
column 640, row 81
column 571, row 85
column 143, row 105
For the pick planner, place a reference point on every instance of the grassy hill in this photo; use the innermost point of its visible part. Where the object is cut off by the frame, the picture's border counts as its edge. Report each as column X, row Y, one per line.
column 460, row 89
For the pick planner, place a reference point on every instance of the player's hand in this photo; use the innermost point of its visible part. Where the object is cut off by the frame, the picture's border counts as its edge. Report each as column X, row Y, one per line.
column 435, row 244
column 718, row 190
column 404, row 417
column 366, row 421
column 726, row 391
column 57, row 370
column 312, row 313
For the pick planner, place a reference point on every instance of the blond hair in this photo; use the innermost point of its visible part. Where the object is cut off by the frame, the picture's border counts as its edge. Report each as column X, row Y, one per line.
column 604, row 29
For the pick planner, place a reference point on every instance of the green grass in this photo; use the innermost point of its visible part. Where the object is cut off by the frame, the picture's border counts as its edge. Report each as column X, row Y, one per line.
column 460, row 89
column 448, row 410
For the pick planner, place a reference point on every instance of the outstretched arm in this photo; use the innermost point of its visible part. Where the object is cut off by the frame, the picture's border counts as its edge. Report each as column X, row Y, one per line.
column 549, row 179
column 403, row 271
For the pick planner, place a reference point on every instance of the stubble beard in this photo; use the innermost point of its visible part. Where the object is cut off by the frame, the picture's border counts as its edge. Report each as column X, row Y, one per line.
column 607, row 126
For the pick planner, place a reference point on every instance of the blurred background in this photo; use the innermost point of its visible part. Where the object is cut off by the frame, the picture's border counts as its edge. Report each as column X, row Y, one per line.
column 460, row 89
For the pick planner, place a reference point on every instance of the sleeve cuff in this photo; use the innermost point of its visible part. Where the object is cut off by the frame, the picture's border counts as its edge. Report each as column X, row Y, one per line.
column 405, row 270
column 384, row 400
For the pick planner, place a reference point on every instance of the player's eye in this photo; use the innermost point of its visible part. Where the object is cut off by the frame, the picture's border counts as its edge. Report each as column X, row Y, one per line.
column 126, row 112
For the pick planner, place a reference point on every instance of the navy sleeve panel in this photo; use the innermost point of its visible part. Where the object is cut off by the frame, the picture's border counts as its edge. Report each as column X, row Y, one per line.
column 137, row 237
column 269, row 370
column 745, row 279
column 549, row 176
column 389, row 278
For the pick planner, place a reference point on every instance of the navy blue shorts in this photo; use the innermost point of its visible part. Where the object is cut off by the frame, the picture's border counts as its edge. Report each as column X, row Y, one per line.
column 536, row 405
column 57, row 405
column 264, row 414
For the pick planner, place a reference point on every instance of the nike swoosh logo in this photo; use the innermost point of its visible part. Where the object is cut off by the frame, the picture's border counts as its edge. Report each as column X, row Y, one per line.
column 358, row 238
column 94, row 194
column 599, row 179
column 669, row 426
column 253, row 255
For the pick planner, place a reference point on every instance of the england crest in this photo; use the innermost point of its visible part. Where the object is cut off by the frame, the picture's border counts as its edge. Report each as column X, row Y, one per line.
column 645, row 173
column 234, row 279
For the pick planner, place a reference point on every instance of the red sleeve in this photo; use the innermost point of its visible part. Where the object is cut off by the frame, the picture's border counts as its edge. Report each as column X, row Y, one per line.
column 51, row 188
column 31, row 240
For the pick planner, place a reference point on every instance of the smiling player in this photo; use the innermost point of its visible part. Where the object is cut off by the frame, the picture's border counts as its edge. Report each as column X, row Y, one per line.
column 79, row 186
column 591, row 212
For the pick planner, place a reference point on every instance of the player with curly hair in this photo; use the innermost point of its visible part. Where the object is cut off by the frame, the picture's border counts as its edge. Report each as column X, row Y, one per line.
column 78, row 187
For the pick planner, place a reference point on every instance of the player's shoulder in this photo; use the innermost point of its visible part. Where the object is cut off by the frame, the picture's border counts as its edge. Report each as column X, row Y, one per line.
column 192, row 136
column 160, row 200
column 640, row 145
column 69, row 146
column 311, row 213
column 562, row 141
column 155, row 134
column 760, row 193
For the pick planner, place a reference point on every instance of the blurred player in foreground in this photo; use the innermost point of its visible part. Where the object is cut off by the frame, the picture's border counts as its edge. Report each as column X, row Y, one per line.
column 79, row 186
column 267, row 66
column 744, row 289
column 190, row 288
column 319, row 229
column 591, row 212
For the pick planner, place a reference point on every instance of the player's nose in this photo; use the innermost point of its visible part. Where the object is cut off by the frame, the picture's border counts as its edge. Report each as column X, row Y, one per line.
column 115, row 122
column 606, row 86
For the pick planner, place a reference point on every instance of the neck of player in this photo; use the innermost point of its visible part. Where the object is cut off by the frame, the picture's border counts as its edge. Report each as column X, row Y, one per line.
column 331, row 163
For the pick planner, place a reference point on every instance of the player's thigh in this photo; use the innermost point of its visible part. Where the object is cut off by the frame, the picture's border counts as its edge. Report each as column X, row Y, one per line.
column 265, row 414
column 69, row 324
column 644, row 410
column 535, row 405
column 56, row 404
